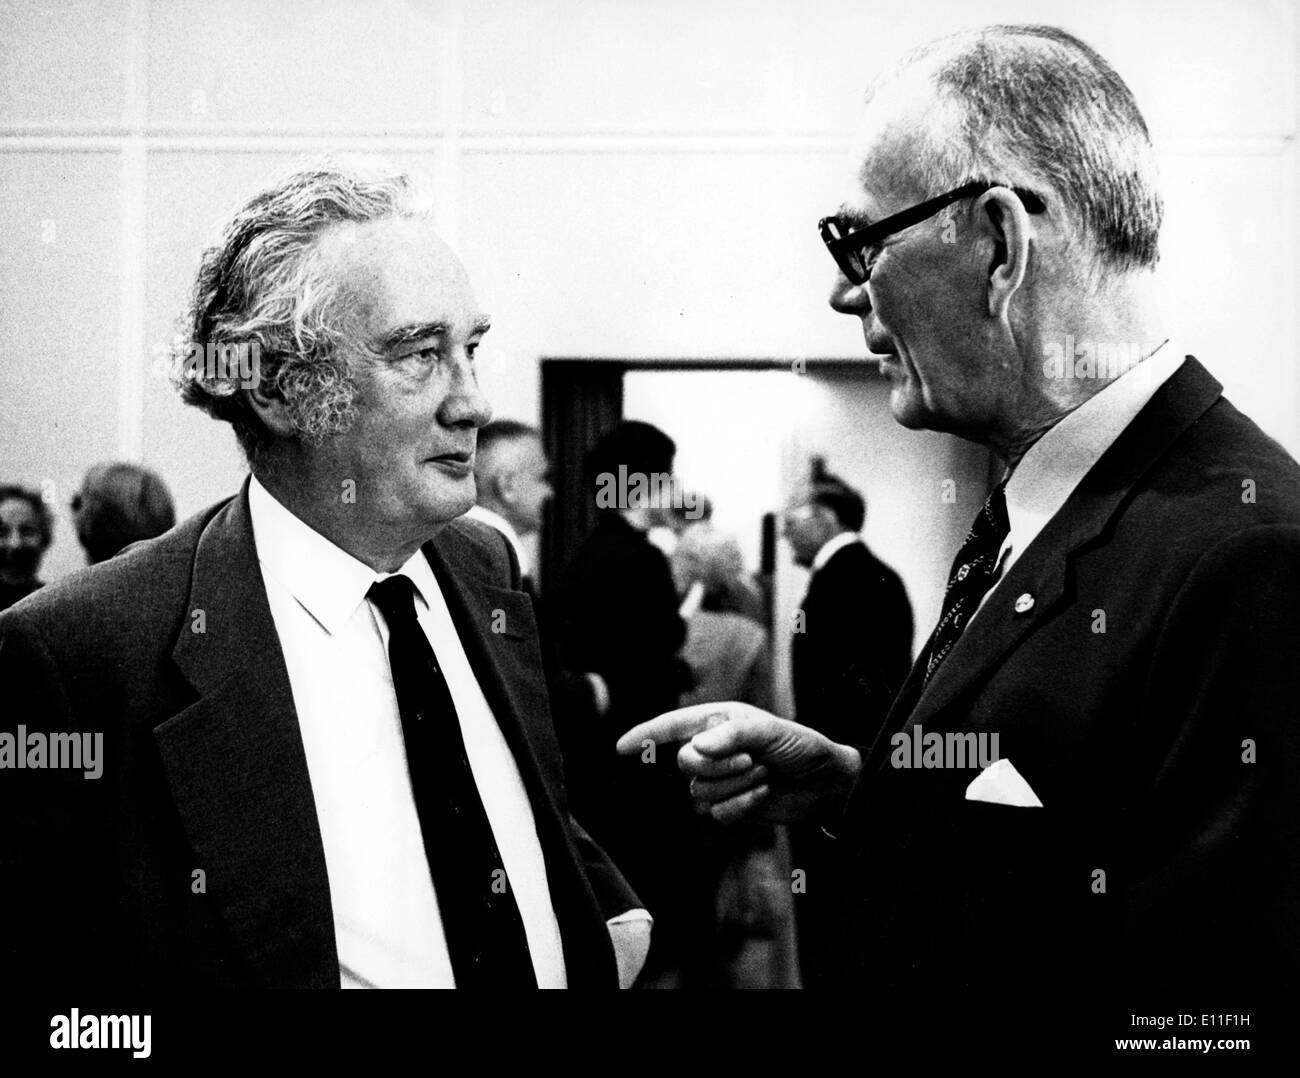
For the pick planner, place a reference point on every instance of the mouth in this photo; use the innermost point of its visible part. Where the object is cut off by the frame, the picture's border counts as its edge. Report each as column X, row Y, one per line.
column 886, row 359
column 878, row 344
column 459, row 463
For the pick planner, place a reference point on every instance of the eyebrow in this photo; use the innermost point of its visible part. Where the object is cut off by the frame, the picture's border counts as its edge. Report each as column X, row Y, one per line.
column 418, row 331
column 854, row 216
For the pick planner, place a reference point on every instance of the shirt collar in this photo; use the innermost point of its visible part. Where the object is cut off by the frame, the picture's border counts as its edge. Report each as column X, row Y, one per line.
column 327, row 581
column 496, row 520
column 832, row 547
column 1055, row 464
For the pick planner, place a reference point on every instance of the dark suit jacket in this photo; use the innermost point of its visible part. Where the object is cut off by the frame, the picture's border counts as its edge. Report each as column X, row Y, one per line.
column 855, row 648
column 617, row 611
column 1165, row 750
column 205, row 770
column 617, row 616
column 847, row 664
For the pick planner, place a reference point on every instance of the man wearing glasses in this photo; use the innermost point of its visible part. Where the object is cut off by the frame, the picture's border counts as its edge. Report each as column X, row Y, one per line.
column 1086, row 787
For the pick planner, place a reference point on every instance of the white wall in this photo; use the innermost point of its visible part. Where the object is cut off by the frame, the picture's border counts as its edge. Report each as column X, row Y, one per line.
column 622, row 178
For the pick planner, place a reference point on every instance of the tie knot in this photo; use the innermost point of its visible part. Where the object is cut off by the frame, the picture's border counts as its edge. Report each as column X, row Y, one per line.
column 395, row 598
column 992, row 519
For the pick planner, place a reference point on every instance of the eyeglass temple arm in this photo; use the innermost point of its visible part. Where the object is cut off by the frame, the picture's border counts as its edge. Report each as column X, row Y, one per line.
column 1032, row 204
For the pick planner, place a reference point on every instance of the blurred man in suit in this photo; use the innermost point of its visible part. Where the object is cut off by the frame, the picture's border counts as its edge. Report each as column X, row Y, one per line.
column 327, row 756
column 511, row 474
column 1125, row 614
column 852, row 644
column 617, row 616
column 850, row 651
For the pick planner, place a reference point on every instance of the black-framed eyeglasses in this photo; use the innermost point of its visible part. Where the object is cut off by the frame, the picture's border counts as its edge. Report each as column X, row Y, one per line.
column 849, row 248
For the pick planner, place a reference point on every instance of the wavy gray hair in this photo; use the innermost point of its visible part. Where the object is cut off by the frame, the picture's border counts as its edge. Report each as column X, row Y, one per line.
column 1034, row 107
column 264, row 286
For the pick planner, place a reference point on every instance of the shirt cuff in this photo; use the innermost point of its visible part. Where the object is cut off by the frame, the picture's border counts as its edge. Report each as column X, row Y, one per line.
column 629, row 916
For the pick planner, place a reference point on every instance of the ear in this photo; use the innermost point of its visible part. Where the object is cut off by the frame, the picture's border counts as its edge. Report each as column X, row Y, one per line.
column 271, row 409
column 1001, row 218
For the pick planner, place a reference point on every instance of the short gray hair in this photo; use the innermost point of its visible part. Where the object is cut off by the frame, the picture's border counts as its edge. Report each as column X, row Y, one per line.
column 263, row 286
column 1036, row 108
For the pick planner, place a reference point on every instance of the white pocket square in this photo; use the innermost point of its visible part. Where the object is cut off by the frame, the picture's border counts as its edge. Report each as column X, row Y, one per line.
column 1002, row 784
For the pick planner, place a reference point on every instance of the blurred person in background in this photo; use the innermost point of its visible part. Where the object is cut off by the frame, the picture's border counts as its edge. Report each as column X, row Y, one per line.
column 617, row 617
column 851, row 651
column 730, row 657
column 716, row 580
column 120, row 504
column 852, row 644
column 26, row 531
column 726, row 646
column 675, row 519
column 512, row 475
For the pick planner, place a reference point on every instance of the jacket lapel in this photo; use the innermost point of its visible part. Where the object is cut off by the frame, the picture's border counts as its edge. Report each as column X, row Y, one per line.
column 510, row 675
column 1041, row 573
column 237, row 768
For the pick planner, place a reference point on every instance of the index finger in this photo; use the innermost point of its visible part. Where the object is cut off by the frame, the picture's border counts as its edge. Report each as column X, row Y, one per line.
column 680, row 725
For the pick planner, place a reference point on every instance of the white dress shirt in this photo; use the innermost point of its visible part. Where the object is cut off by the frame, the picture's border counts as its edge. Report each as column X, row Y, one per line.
column 1055, row 464
column 387, row 925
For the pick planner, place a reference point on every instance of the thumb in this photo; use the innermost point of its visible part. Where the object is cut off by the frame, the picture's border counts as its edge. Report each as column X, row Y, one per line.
column 673, row 726
column 744, row 729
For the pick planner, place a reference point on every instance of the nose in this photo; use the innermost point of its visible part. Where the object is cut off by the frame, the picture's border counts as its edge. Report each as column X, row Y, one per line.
column 849, row 298
column 464, row 404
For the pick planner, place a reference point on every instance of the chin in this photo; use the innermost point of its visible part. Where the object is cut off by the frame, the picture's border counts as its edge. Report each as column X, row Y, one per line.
column 447, row 504
column 907, row 408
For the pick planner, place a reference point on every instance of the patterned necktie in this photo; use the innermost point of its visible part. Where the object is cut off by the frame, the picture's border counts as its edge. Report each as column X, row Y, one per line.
column 485, row 934
column 973, row 573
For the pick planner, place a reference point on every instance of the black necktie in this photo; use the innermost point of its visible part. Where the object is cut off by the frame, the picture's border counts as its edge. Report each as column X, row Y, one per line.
column 485, row 934
column 973, row 573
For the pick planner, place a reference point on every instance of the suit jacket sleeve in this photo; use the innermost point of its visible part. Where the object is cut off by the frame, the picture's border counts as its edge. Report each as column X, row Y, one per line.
column 49, row 848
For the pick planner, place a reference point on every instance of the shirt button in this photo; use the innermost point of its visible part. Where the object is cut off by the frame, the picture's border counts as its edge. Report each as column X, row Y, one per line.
column 1024, row 603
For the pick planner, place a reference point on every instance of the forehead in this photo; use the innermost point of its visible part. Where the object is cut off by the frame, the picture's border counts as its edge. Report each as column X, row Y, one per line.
column 17, row 511
column 885, row 146
column 397, row 271
column 528, row 453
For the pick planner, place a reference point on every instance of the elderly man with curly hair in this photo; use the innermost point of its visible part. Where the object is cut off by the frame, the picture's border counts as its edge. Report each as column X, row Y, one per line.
column 328, row 755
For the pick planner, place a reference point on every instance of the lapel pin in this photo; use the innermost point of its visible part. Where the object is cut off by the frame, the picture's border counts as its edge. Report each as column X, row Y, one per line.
column 1024, row 603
